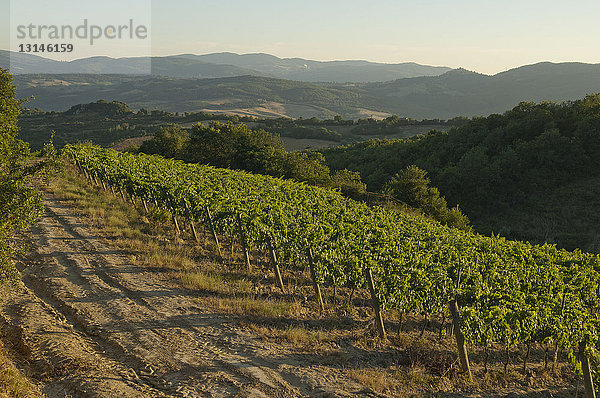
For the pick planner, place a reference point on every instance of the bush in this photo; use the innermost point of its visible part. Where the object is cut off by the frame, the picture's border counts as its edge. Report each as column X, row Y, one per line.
column 411, row 186
column 19, row 204
column 349, row 183
column 169, row 142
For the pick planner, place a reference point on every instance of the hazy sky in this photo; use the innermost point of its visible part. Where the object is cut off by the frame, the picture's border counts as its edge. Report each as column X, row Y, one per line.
column 485, row 35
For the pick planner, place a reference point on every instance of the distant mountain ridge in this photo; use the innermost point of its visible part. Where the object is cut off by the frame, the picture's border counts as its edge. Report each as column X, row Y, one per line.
column 455, row 93
column 224, row 65
column 357, row 71
column 464, row 93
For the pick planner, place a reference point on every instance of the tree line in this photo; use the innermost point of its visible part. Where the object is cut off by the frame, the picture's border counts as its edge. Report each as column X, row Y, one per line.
column 524, row 162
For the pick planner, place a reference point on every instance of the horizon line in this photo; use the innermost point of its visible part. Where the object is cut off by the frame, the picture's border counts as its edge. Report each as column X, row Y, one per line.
column 305, row 59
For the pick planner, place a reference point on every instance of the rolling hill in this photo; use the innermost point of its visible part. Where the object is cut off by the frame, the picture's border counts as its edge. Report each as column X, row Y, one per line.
column 224, row 65
column 455, row 93
column 252, row 95
column 317, row 71
column 461, row 92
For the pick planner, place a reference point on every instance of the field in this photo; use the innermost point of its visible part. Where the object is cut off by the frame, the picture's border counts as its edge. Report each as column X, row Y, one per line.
column 113, row 301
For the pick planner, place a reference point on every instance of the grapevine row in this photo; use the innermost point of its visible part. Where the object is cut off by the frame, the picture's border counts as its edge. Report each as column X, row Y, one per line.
column 508, row 292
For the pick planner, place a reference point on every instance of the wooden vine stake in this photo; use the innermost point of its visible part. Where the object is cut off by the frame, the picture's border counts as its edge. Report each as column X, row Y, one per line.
column 275, row 264
column 587, row 373
column 243, row 240
column 175, row 222
column 316, row 285
column 145, row 205
column 213, row 231
column 458, row 276
column 463, row 356
column 375, row 302
column 526, row 357
column 154, row 200
column 556, row 347
column 192, row 226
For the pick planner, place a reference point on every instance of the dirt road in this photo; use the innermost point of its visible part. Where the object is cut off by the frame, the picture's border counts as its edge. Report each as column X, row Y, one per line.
column 88, row 323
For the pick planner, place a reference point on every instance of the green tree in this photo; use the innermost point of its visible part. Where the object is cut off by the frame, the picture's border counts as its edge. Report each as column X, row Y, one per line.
column 20, row 205
column 411, row 186
column 306, row 166
column 349, row 183
column 169, row 142
column 235, row 146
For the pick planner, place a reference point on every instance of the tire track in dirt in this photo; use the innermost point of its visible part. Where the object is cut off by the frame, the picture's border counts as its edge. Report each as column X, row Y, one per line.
column 128, row 331
column 100, row 261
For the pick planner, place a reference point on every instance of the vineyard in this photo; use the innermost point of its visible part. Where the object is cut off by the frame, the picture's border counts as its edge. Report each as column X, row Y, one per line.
column 495, row 291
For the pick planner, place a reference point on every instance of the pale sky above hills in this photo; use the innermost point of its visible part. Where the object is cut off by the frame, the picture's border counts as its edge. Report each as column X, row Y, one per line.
column 485, row 36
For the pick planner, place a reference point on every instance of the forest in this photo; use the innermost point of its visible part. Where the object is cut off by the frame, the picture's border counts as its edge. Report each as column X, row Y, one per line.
column 531, row 173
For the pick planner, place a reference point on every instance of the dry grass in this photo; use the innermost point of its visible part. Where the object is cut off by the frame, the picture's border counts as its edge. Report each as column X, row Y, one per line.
column 13, row 383
column 215, row 283
column 252, row 307
column 151, row 239
column 297, row 337
column 409, row 381
column 171, row 257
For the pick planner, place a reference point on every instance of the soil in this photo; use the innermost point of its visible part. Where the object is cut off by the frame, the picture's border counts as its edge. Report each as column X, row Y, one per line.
column 86, row 322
